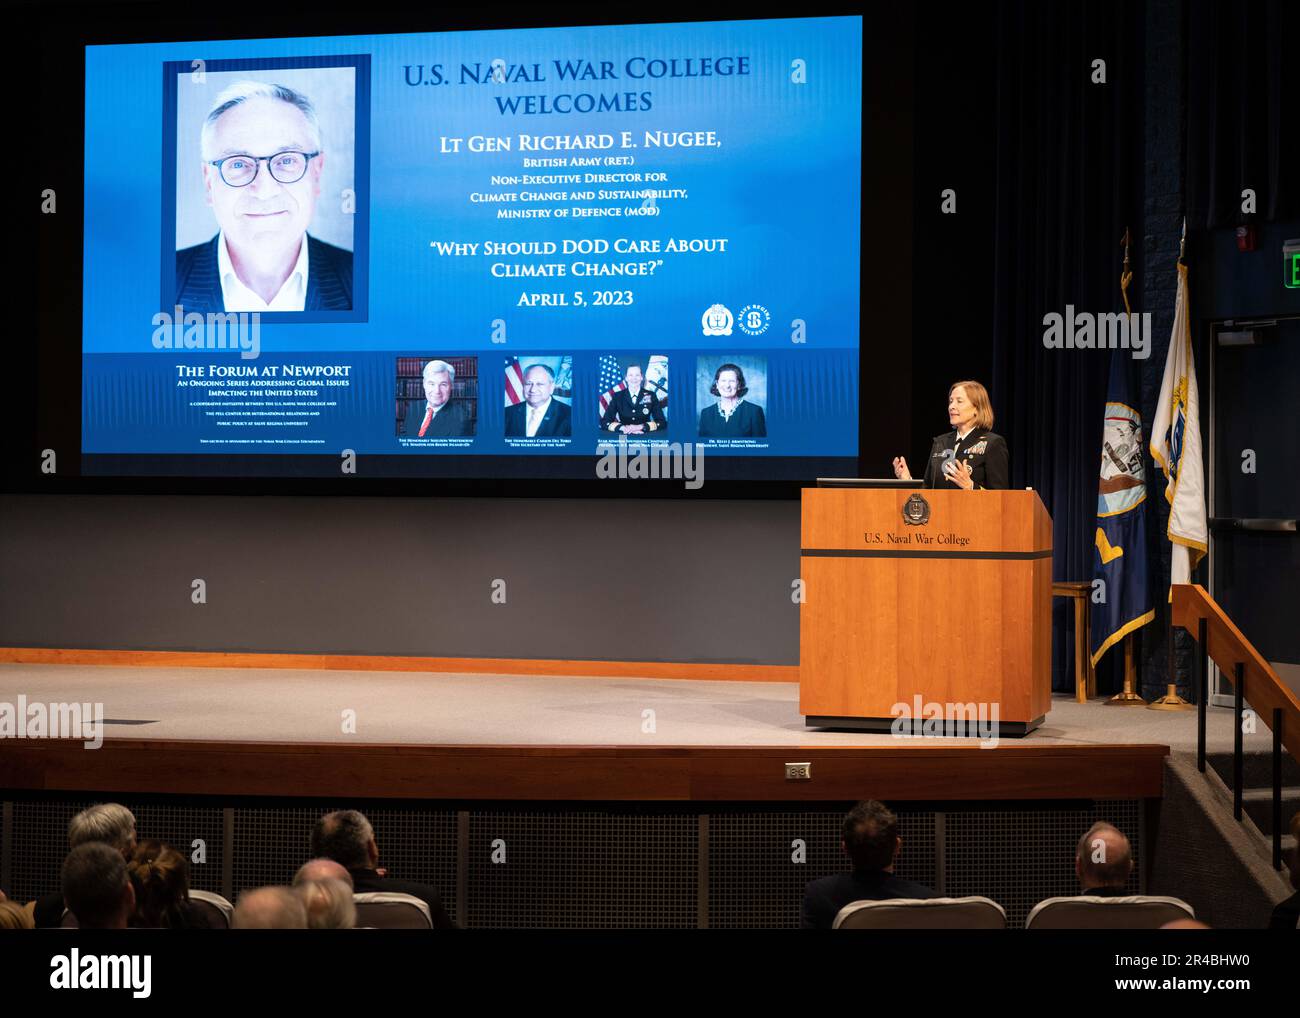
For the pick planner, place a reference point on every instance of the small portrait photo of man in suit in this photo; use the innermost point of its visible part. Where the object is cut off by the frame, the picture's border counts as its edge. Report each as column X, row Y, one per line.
column 442, row 402
column 633, row 395
column 539, row 393
column 732, row 392
column 262, row 160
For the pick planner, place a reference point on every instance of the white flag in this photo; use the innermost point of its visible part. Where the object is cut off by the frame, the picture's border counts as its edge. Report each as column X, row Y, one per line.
column 1176, row 445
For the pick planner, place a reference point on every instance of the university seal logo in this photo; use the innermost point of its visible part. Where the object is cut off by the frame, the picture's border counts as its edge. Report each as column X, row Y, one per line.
column 753, row 319
column 916, row 511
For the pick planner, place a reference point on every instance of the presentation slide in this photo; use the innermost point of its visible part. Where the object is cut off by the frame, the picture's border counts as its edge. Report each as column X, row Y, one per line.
column 458, row 254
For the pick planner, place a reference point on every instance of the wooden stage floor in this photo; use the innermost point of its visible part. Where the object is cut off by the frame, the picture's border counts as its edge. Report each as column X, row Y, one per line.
column 449, row 736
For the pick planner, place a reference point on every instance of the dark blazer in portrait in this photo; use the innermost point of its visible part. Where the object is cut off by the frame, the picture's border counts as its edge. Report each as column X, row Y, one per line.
column 985, row 451
column 452, row 421
column 823, row 899
column 329, row 277
column 746, row 421
column 558, row 421
column 628, row 408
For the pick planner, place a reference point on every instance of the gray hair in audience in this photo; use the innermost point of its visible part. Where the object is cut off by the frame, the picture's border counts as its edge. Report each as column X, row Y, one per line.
column 1117, row 863
column 94, row 879
column 270, row 908
column 108, row 822
column 328, row 903
column 343, row 836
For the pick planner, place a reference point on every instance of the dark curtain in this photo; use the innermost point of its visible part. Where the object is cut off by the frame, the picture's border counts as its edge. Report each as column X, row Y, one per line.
column 1069, row 177
column 1243, row 115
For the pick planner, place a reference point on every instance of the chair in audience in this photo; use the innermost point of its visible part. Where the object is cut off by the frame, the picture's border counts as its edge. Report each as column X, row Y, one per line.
column 1092, row 912
column 390, row 910
column 972, row 913
column 216, row 908
column 212, row 905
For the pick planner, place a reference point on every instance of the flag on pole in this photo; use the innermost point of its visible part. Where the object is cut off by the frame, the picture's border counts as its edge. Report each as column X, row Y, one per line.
column 1120, row 565
column 1176, row 445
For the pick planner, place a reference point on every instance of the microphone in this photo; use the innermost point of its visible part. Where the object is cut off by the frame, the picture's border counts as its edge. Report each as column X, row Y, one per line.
column 947, row 465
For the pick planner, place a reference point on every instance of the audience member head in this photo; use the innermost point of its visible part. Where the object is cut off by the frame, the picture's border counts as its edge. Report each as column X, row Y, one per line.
column 1184, row 924
column 328, row 903
column 14, row 917
column 870, row 836
column 161, row 880
column 269, row 908
column 346, row 837
column 96, row 887
column 1103, row 858
column 108, row 822
column 322, row 869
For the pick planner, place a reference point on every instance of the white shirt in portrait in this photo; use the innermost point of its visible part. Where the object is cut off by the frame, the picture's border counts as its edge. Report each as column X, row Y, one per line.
column 237, row 297
column 535, row 417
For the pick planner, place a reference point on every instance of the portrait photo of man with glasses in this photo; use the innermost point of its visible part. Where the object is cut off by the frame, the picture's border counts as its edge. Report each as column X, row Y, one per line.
column 262, row 158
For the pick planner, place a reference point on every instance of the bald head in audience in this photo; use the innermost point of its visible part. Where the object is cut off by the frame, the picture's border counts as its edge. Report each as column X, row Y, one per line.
column 1104, row 859
column 322, row 869
column 269, row 908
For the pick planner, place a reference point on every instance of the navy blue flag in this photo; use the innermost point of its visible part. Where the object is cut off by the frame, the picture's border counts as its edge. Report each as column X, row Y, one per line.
column 1122, row 599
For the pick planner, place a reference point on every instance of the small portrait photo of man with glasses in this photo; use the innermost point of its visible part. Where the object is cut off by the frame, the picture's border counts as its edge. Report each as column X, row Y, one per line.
column 266, row 187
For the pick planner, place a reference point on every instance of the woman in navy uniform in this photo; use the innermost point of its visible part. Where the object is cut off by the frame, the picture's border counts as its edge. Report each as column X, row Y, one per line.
column 731, row 416
column 971, row 456
column 634, row 410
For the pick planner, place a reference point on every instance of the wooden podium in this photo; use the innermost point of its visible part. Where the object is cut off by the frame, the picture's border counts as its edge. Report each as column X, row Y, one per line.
column 940, row 595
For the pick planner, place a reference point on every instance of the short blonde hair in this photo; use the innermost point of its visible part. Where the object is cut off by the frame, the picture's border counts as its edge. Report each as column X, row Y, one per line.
column 15, row 917
column 979, row 397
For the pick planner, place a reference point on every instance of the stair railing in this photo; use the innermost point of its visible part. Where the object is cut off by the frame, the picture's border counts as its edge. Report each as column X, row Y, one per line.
column 1219, row 639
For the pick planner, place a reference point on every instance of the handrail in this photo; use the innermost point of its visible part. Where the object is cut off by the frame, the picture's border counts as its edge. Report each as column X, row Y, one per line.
column 1273, row 701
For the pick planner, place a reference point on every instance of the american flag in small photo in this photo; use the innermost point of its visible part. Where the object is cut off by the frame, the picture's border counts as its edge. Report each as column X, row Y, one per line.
column 611, row 380
column 514, row 382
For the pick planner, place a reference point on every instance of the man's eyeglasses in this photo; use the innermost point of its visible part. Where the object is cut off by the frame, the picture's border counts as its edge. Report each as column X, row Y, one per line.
column 286, row 167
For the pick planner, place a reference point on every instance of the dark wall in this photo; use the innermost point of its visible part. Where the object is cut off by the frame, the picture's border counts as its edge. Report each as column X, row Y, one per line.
column 952, row 307
column 701, row 581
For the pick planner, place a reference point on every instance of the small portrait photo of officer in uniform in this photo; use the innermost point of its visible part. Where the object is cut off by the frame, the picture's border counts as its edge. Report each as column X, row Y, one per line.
column 633, row 395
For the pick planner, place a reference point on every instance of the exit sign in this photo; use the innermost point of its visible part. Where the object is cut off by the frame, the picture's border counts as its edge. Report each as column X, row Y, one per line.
column 1291, row 264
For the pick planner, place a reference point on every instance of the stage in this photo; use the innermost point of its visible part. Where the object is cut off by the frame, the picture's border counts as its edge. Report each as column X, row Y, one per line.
column 445, row 735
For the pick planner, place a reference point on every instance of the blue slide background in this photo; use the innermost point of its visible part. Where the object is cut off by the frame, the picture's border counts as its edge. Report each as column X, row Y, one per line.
column 783, row 188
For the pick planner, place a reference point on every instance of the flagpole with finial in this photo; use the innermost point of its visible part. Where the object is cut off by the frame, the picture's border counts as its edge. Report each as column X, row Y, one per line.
column 1127, row 697
column 1171, row 700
